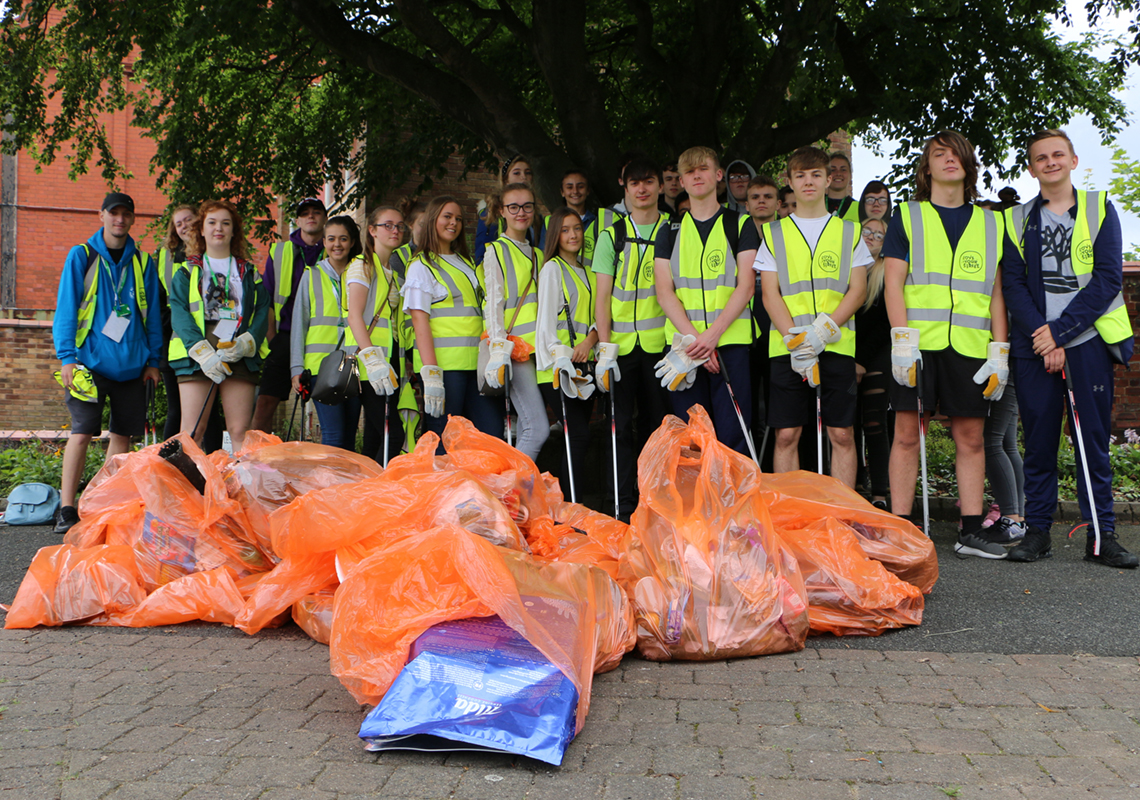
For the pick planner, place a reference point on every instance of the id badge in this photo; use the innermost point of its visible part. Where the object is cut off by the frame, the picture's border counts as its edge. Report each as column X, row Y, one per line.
column 123, row 310
column 116, row 327
column 226, row 329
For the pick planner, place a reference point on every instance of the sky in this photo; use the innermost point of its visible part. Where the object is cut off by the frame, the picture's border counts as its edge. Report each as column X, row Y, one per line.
column 1092, row 154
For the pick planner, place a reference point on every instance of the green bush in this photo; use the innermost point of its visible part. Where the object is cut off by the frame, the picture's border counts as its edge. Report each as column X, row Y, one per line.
column 41, row 462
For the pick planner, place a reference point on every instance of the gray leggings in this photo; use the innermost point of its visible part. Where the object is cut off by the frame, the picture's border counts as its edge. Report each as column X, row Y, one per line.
column 1003, row 461
column 526, row 400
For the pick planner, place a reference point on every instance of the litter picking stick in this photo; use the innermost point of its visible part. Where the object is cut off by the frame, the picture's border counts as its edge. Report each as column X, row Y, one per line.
column 613, row 447
column 1084, row 459
column 387, row 411
column 150, row 432
column 202, row 413
column 736, row 405
column 507, row 398
column 922, row 448
column 569, row 457
column 819, row 429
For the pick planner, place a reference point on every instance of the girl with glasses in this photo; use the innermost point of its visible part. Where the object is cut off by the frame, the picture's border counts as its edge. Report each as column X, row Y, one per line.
column 872, row 369
column 875, row 202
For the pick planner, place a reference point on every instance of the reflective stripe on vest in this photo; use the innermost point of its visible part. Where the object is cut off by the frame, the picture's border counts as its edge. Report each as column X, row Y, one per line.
column 519, row 272
column 326, row 317
column 704, row 279
column 85, row 317
column 376, row 307
column 606, row 218
column 1113, row 325
column 636, row 316
column 166, row 269
column 456, row 320
column 813, row 282
column 282, row 254
column 578, row 294
column 947, row 290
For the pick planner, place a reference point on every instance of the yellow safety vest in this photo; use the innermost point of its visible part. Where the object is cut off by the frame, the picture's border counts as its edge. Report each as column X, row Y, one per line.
column 947, row 290
column 704, row 278
column 813, row 282
column 578, row 294
column 520, row 277
column 177, row 348
column 376, row 308
column 166, row 269
column 606, row 218
column 636, row 318
column 86, row 315
column 456, row 320
column 1113, row 325
column 328, row 321
column 851, row 213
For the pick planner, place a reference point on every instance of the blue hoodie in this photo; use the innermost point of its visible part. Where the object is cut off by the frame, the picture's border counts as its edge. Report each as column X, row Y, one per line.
column 141, row 344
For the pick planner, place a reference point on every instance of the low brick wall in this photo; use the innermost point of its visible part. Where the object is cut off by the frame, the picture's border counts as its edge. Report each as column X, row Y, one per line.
column 29, row 396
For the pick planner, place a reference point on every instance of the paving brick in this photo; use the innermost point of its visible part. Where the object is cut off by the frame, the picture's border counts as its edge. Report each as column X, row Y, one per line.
column 836, row 715
column 80, row 789
column 422, row 781
column 694, row 787
column 563, row 786
column 756, row 762
column 1079, row 771
column 502, row 784
column 708, row 711
column 820, row 765
column 269, row 772
column 640, row 787
column 151, row 790
column 146, row 740
column 1026, row 743
column 752, row 712
column 653, row 710
column 942, row 769
column 650, row 734
column 803, row 789
column 280, row 743
column 721, row 734
column 606, row 732
column 1010, row 770
column 363, row 778
column 949, row 740
column 877, row 739
column 631, row 759
column 123, row 767
column 206, row 742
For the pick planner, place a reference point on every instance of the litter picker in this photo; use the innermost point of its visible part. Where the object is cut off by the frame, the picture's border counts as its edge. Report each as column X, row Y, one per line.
column 613, row 447
column 1084, row 458
column 202, row 413
column 302, row 397
column 818, row 429
column 507, row 398
column 150, row 431
column 736, row 405
column 562, row 397
column 922, row 448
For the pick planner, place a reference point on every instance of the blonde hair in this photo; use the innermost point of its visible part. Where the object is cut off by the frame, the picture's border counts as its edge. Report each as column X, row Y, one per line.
column 173, row 241
column 694, row 156
column 878, row 271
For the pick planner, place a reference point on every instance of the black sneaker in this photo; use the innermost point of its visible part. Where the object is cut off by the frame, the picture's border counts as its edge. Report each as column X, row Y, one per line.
column 65, row 518
column 1036, row 545
column 1007, row 532
column 880, row 504
column 1112, row 553
column 978, row 544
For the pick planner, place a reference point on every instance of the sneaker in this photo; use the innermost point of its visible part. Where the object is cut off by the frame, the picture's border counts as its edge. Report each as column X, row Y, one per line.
column 1036, row 545
column 1007, row 532
column 880, row 504
column 65, row 518
column 978, row 544
column 1112, row 553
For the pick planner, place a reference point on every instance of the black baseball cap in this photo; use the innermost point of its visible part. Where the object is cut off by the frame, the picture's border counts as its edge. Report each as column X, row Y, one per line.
column 116, row 199
column 310, row 201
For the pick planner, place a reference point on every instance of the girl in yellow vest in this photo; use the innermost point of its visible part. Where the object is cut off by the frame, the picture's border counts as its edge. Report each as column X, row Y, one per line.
column 374, row 300
column 168, row 258
column 219, row 310
column 565, row 304
column 320, row 327
column 509, row 276
column 443, row 297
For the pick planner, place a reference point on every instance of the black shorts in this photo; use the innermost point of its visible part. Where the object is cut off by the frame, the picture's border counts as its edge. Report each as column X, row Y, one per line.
column 947, row 386
column 128, row 408
column 275, row 378
column 791, row 401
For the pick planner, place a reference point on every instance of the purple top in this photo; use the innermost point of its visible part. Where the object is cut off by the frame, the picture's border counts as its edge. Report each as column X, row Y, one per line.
column 310, row 253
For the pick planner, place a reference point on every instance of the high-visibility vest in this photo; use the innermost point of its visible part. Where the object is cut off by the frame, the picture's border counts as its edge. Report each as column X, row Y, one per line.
column 1113, row 325
column 177, row 348
column 704, row 277
column 86, row 315
column 813, row 282
column 167, row 266
column 456, row 320
column 606, row 218
column 376, row 308
column 851, row 213
column 520, row 277
column 578, row 295
column 402, row 256
column 636, row 318
column 328, row 309
column 283, row 254
column 947, row 289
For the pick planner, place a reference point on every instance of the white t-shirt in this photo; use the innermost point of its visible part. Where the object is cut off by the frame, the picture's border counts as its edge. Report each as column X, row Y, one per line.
column 811, row 229
column 421, row 289
column 221, row 288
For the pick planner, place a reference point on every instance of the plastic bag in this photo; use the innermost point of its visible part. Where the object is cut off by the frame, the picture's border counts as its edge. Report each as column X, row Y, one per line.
column 314, row 612
column 848, row 592
column 211, row 596
column 796, row 499
column 708, row 576
column 66, row 584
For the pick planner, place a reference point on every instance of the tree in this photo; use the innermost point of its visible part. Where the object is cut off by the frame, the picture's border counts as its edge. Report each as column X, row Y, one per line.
column 248, row 97
column 1125, row 187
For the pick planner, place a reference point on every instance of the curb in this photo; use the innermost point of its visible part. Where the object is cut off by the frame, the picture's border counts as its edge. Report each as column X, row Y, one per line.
column 945, row 510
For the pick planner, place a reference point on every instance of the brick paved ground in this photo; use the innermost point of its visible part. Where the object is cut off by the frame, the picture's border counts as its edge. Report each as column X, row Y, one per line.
column 92, row 713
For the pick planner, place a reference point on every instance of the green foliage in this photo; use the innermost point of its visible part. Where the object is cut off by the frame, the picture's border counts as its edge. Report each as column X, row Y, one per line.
column 1125, row 188
column 41, row 462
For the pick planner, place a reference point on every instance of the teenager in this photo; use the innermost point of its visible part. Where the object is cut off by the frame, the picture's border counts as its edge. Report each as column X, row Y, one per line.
column 170, row 257
column 374, row 324
column 631, row 325
column 443, row 297
column 219, row 310
column 787, row 200
column 873, row 368
column 284, row 268
column 566, row 335
column 413, row 214
column 509, row 277
column 704, row 281
column 944, row 299
column 761, row 203
column 107, row 341
column 737, row 176
column 839, row 199
column 575, row 190
column 813, row 268
column 320, row 327
column 1063, row 274
column 670, row 188
column 492, row 223
column 762, row 200
column 875, row 202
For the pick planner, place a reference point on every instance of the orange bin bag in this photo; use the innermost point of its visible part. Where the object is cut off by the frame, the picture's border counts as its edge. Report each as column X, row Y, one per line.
column 708, row 576
column 415, row 581
column 66, row 585
column 457, row 497
column 796, row 499
column 610, row 533
column 276, row 591
column 314, row 613
column 115, row 524
column 210, row 596
column 504, row 470
column 421, row 460
column 848, row 592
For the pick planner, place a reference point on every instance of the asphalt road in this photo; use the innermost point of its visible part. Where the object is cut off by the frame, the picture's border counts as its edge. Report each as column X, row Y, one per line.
column 1063, row 605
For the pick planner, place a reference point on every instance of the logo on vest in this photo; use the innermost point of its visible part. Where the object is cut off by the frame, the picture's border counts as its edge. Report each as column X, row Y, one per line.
column 971, row 262
column 647, row 270
column 1084, row 251
column 828, row 262
column 715, row 261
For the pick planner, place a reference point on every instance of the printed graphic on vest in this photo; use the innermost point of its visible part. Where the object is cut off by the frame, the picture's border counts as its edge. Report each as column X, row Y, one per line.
column 715, row 261
column 971, row 262
column 828, row 261
column 1084, row 251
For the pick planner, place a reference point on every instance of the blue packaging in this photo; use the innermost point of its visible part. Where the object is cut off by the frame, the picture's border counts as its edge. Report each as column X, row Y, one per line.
column 478, row 683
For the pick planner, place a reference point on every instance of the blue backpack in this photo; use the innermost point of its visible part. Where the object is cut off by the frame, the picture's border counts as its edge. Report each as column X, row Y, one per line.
column 32, row 504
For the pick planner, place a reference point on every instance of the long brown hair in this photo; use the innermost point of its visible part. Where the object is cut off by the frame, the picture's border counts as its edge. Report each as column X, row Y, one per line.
column 239, row 247
column 495, row 201
column 430, row 244
column 173, row 241
column 554, row 231
column 369, row 249
column 966, row 157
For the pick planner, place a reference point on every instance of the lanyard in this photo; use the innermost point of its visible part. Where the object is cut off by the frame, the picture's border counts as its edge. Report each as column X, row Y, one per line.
column 110, row 277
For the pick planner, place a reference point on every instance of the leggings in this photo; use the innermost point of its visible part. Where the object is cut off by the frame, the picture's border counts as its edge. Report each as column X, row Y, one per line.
column 1004, row 467
column 873, row 400
column 527, row 402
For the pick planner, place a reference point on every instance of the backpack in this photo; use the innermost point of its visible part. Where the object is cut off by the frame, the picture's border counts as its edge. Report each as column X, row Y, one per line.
column 32, row 504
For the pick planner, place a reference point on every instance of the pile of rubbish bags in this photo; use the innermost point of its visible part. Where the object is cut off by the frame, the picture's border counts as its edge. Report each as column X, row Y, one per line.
column 720, row 561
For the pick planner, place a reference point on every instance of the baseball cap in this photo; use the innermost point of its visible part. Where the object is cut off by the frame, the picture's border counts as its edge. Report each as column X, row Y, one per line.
column 310, row 201
column 116, row 199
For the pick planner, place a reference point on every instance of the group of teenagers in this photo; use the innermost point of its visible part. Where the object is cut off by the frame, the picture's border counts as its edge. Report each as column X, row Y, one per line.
column 774, row 308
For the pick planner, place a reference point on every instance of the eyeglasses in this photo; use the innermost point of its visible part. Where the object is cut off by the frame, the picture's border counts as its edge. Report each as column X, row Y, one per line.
column 738, row 177
column 518, row 208
column 877, row 201
column 874, row 236
column 391, row 226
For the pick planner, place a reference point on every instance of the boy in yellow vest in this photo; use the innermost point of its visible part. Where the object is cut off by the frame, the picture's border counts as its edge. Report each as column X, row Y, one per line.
column 813, row 272
column 943, row 292
column 1063, row 273
column 839, row 199
column 704, row 281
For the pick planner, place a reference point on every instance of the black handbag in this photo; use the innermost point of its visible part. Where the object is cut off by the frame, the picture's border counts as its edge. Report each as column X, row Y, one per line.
column 338, row 378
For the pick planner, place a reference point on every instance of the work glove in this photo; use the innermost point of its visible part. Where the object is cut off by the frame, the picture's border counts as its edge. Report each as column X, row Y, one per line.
column 210, row 361
column 606, row 370
column 905, row 356
column 379, row 371
column 822, row 332
column 583, row 385
column 433, row 390
column 499, row 363
column 677, row 370
column 564, row 371
column 242, row 347
column 995, row 372
column 804, row 359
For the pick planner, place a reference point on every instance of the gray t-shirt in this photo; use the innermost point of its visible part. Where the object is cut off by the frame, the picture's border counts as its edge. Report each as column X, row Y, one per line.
column 1057, row 268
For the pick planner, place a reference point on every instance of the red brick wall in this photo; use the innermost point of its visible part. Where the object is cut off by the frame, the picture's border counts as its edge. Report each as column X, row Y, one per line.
column 30, row 399
column 1126, row 412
